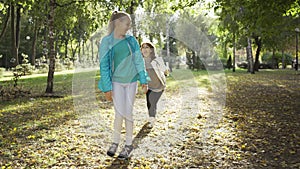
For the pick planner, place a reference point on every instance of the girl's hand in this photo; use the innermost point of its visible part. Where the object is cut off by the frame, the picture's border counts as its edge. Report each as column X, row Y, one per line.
column 108, row 95
column 144, row 88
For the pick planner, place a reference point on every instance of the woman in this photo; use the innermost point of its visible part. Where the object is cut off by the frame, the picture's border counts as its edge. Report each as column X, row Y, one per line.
column 157, row 71
column 121, row 66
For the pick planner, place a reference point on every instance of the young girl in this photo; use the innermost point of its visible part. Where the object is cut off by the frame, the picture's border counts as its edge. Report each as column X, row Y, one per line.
column 121, row 66
column 157, row 71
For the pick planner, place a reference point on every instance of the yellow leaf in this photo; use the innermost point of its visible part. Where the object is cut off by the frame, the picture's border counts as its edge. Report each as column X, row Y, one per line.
column 31, row 137
column 243, row 146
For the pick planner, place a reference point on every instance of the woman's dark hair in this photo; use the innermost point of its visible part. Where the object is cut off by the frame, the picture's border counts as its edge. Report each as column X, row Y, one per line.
column 149, row 44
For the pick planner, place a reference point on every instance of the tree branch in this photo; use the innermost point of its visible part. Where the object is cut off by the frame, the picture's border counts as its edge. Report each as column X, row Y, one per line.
column 69, row 3
column 5, row 23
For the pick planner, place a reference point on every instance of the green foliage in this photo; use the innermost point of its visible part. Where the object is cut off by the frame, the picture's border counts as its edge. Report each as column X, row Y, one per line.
column 58, row 64
column 44, row 68
column 18, row 71
column 264, row 19
column 42, row 65
column 294, row 10
column 267, row 57
column 22, row 69
column 25, row 66
column 68, row 64
column 75, row 22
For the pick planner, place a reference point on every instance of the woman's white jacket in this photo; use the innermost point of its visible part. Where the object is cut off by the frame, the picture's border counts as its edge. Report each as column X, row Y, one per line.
column 160, row 68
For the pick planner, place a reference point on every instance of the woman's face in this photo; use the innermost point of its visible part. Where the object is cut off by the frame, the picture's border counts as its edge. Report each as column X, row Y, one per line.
column 123, row 25
column 146, row 50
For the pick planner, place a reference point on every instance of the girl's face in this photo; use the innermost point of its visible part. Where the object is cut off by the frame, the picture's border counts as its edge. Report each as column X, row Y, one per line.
column 146, row 50
column 123, row 25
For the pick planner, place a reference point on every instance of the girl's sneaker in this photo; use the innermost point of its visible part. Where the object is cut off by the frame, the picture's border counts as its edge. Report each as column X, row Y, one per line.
column 124, row 154
column 112, row 149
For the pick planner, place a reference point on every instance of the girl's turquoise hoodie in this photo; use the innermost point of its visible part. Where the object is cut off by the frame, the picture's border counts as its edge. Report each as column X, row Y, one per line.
column 106, row 54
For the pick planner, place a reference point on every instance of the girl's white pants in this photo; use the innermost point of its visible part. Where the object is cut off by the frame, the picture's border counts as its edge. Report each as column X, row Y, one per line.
column 123, row 98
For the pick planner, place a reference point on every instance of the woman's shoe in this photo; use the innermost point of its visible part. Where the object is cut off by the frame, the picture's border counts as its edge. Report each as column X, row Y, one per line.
column 124, row 154
column 112, row 149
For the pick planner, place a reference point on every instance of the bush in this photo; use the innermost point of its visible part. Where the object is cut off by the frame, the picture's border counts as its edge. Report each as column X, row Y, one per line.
column 25, row 67
column 267, row 58
column 68, row 64
column 43, row 68
column 58, row 65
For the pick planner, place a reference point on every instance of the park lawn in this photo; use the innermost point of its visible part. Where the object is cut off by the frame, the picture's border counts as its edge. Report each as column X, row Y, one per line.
column 259, row 127
column 265, row 111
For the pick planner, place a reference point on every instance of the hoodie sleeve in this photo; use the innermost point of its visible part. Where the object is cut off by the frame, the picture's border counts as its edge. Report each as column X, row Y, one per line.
column 105, row 83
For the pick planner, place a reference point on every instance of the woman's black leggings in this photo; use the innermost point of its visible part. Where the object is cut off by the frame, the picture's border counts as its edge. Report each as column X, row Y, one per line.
column 152, row 99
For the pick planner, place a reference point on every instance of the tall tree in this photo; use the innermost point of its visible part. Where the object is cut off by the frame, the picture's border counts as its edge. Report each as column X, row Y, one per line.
column 258, row 19
column 57, row 23
column 14, row 47
column 49, row 88
column 250, row 56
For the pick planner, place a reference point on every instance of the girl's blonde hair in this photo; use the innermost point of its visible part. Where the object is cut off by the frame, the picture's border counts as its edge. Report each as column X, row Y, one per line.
column 116, row 15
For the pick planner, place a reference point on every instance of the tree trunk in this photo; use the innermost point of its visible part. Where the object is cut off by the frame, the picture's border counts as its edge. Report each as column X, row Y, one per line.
column 14, row 51
column 18, row 28
column 233, row 53
column 130, row 10
column 297, row 59
column 258, row 43
column 66, row 42
column 79, row 51
column 73, row 52
column 33, row 45
column 49, row 88
column 66, row 48
column 83, row 51
column 92, row 48
column 168, row 39
column 273, row 59
column 283, row 61
column 250, row 56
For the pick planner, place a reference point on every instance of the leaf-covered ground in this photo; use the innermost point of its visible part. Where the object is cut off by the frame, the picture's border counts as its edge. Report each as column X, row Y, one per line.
column 257, row 126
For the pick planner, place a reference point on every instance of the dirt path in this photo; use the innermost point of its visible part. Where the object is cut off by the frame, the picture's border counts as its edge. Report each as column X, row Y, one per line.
column 165, row 144
column 187, row 121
